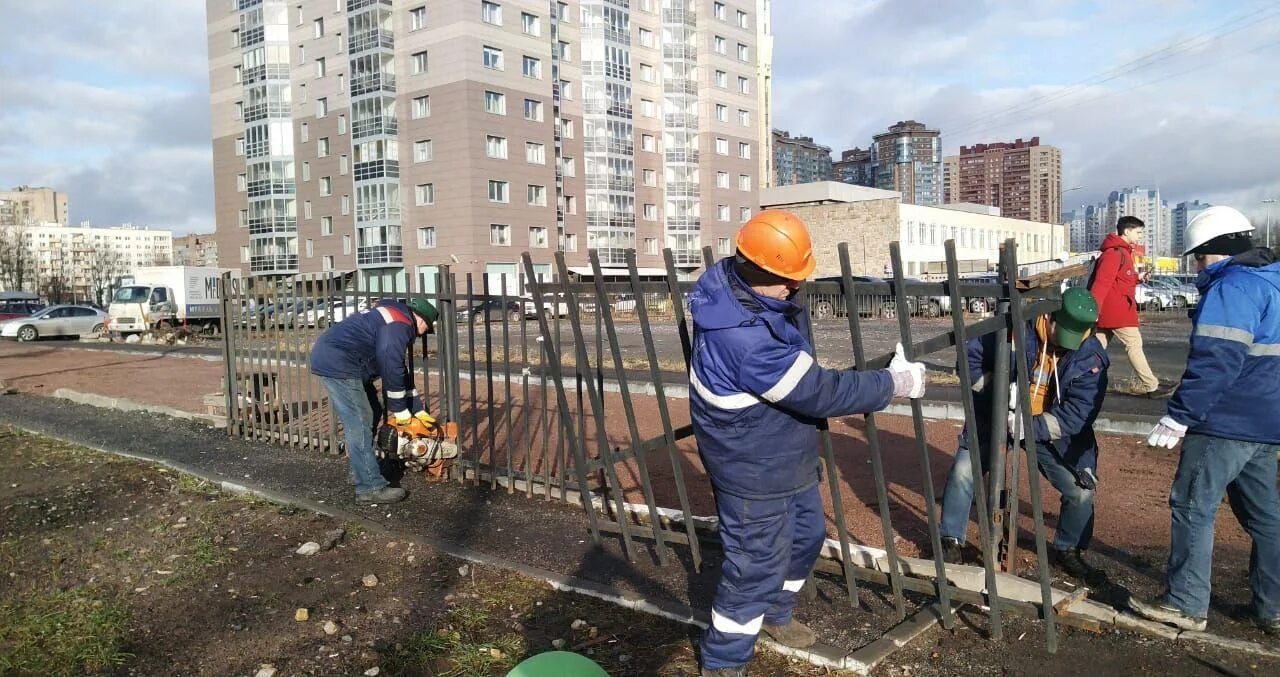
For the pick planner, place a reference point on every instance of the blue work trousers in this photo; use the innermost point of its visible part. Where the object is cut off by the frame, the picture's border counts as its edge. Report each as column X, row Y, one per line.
column 357, row 406
column 1246, row 472
column 769, row 549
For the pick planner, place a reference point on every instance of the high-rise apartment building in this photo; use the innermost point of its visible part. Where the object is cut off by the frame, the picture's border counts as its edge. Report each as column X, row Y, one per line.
column 1022, row 178
column 1146, row 205
column 908, row 159
column 854, row 167
column 32, row 206
column 196, row 249
column 799, row 159
column 392, row 136
column 951, row 179
column 1181, row 215
column 72, row 259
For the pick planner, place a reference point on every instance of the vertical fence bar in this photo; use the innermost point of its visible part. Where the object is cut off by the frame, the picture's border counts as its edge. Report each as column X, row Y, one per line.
column 478, row 447
column 1033, row 465
column 668, row 430
column 1013, row 496
column 277, row 337
column 490, row 424
column 677, row 305
column 526, row 438
column 606, row 453
column 833, row 481
column 708, row 258
column 922, row 444
column 336, row 313
column 873, row 435
column 290, row 343
column 971, row 430
column 508, row 407
column 228, row 353
column 999, row 416
column 550, row 350
column 620, row 373
column 257, row 360
column 562, row 453
column 319, row 309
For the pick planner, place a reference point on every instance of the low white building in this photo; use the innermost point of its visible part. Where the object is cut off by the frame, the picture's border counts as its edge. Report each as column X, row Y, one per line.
column 78, row 254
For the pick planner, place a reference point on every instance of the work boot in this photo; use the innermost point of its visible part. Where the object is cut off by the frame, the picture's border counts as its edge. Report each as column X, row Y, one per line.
column 1161, row 392
column 1271, row 626
column 387, row 494
column 1072, row 563
column 952, row 550
column 1163, row 612
column 740, row 671
column 795, row 634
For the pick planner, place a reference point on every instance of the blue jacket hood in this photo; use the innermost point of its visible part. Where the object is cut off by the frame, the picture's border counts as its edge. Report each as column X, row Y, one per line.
column 1260, row 261
column 721, row 300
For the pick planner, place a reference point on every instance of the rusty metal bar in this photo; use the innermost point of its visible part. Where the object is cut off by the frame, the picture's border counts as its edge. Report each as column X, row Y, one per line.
column 677, row 306
column 331, row 284
column 471, row 363
column 922, row 446
column 873, row 437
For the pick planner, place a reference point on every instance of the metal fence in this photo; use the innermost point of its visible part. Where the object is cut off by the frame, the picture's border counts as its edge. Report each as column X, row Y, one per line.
column 571, row 390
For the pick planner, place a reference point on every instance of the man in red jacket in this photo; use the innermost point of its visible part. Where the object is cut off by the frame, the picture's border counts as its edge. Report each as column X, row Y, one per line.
column 1114, row 284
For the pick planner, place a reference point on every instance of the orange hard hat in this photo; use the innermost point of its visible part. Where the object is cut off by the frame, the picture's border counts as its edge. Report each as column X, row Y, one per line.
column 778, row 242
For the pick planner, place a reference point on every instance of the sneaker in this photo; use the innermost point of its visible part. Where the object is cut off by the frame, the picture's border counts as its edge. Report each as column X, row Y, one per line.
column 1072, row 563
column 952, row 550
column 386, row 494
column 794, row 634
column 740, row 671
column 1168, row 614
column 1271, row 626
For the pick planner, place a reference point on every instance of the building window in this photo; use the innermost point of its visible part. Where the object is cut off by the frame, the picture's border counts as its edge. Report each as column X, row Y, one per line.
column 320, row 67
column 566, row 89
column 718, row 10
column 533, row 110
column 499, row 235
column 566, row 129
column 744, row 85
column 722, row 79
column 306, row 209
column 491, row 12
column 342, row 124
column 317, row 28
column 421, row 107
column 646, row 72
column 744, row 214
column 304, row 132
column 744, row 150
column 239, row 74
column 722, row 212
column 311, row 248
column 722, row 179
column 571, row 242
column 649, row 177
column 326, row 186
column 419, row 63
column 239, row 110
column 240, row 145
column 342, row 164
column 562, row 12
column 244, row 218
column 648, row 109
column 327, row 262
column 650, row 212
column 646, row 37
column 722, row 246
column 532, row 67
column 744, row 182
column 530, row 24
column 492, row 58
column 568, row 167
column 498, row 191
column 242, row 182
column 418, row 18
column 742, row 19
column 722, row 45
column 651, row 245
column 427, row 237
column 744, row 54
column 495, row 102
column 535, row 153
column 495, row 147
column 326, row 225
column 537, row 196
column 722, row 112
column 571, row 204
column 648, row 143
column 744, row 117
column 346, row 244
column 244, row 254
column 346, row 205
column 422, row 151
column 565, row 51
column 537, row 237
column 322, row 107
column 235, row 37
column 424, row 194
column 322, row 147
column 722, row 146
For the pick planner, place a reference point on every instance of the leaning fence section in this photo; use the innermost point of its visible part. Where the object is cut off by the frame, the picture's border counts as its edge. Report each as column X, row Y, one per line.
column 573, row 388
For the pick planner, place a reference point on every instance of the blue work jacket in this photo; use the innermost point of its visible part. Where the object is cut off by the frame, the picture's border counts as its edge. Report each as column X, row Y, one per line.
column 369, row 344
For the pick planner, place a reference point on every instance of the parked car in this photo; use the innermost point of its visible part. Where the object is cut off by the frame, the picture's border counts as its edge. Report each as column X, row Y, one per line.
column 1149, row 298
column 1184, row 295
column 826, row 306
column 14, row 304
column 491, row 309
column 332, row 312
column 553, row 305
column 928, row 306
column 56, row 321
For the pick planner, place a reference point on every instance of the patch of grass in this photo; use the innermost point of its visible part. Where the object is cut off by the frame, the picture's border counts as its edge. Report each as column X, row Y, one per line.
column 206, row 553
column 191, row 484
column 450, row 653
column 68, row 632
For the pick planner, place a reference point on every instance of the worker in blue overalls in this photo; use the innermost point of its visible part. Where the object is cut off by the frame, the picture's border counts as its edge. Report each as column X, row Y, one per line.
column 348, row 357
column 756, row 395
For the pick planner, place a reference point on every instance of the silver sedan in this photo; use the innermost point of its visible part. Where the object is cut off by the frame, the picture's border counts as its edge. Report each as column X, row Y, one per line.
column 56, row 321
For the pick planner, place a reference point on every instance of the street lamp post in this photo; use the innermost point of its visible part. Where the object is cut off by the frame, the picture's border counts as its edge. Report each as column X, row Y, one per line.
column 1054, row 228
column 1268, row 202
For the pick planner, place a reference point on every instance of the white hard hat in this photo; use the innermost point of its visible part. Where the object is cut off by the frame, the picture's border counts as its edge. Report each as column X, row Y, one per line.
column 1215, row 222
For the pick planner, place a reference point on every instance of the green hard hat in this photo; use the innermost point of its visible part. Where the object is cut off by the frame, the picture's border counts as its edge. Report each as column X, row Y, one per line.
column 558, row 664
column 424, row 308
column 1075, row 318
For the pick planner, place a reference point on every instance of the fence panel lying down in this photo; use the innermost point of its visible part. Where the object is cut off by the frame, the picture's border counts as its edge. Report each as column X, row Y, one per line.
column 572, row 385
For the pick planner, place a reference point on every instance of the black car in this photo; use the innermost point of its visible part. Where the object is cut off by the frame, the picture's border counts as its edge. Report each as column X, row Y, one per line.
column 491, row 309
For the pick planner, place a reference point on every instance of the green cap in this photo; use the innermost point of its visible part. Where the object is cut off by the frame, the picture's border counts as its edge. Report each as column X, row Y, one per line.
column 424, row 308
column 1075, row 318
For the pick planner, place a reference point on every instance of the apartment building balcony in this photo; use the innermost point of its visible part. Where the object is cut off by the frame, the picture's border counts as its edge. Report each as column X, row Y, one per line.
column 252, row 37
column 248, row 4
column 377, row 169
column 380, row 255
column 276, row 226
column 357, row 5
column 682, row 155
column 680, row 87
column 370, row 39
column 379, row 126
column 369, row 83
column 687, row 257
column 273, row 264
column 687, row 120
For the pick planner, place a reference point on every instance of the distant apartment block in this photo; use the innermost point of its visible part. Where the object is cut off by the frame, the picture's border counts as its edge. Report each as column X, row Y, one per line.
column 798, row 159
column 855, row 167
column 196, row 249
column 950, row 179
column 908, row 159
column 1022, row 178
column 1147, row 205
column 385, row 138
column 1180, row 216
column 75, row 254
column 32, row 206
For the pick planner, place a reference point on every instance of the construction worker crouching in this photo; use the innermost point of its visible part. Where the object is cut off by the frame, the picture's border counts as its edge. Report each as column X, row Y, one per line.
column 1226, row 414
column 1068, row 379
column 756, row 395
column 348, row 357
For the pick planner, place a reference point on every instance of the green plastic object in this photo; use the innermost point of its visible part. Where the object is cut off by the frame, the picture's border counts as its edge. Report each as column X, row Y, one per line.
column 558, row 664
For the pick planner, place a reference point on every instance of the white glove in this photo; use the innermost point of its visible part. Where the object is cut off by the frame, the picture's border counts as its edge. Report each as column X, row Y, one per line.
column 1015, row 426
column 403, row 417
column 1167, row 433
column 1013, row 395
column 908, row 377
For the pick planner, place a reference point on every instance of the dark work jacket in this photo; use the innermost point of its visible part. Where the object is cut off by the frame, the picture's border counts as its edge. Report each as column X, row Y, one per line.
column 372, row 343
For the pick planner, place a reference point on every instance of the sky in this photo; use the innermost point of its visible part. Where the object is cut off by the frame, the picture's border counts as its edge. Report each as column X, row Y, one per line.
column 107, row 100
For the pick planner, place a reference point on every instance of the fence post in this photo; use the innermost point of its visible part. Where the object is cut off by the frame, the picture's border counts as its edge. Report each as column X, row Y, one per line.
column 228, row 353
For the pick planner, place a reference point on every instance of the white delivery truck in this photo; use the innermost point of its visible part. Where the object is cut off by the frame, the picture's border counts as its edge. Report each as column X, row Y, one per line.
column 164, row 297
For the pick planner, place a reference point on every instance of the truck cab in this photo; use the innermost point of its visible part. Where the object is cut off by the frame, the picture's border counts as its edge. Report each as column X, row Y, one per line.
column 140, row 308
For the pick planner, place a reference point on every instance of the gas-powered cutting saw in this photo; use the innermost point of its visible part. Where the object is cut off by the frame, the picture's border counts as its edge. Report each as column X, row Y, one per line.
column 422, row 446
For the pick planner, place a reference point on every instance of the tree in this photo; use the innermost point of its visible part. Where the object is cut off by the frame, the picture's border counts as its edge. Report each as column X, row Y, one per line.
column 104, row 267
column 17, row 261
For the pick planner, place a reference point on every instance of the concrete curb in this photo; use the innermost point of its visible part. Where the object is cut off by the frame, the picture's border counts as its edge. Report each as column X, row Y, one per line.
column 120, row 404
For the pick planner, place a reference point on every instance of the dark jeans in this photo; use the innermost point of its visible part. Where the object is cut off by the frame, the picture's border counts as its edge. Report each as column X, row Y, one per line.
column 357, row 406
column 1075, row 513
column 1246, row 472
